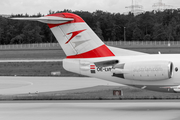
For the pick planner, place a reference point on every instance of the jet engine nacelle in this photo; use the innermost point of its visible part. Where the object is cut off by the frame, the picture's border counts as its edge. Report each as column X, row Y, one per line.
column 144, row 70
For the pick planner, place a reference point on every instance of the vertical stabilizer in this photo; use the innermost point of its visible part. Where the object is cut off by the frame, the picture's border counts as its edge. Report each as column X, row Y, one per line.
column 75, row 37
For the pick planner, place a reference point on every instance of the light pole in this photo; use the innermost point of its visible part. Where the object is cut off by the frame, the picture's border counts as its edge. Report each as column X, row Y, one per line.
column 120, row 27
column 124, row 33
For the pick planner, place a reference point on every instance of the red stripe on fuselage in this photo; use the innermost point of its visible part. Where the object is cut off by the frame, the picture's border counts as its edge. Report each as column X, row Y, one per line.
column 102, row 51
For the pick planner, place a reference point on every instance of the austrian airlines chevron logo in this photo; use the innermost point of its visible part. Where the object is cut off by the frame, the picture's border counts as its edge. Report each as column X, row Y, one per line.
column 75, row 33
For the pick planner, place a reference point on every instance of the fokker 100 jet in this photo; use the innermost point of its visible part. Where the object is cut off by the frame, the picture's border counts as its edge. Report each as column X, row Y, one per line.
column 88, row 55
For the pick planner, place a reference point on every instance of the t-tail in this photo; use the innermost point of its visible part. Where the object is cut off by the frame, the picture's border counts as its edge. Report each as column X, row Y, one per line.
column 75, row 37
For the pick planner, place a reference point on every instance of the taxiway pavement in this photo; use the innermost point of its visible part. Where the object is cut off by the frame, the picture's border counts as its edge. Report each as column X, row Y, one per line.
column 25, row 85
column 29, row 60
column 90, row 110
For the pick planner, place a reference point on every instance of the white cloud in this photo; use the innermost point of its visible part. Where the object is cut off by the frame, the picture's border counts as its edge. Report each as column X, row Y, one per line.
column 4, row 2
column 43, row 6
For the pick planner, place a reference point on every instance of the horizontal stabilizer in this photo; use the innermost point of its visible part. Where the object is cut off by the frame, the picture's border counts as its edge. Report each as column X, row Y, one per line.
column 47, row 19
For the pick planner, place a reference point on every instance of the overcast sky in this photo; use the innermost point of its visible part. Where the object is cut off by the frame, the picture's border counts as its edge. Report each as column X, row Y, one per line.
column 43, row 6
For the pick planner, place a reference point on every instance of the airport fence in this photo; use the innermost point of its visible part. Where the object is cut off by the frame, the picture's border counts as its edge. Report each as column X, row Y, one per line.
column 126, row 44
column 122, row 44
column 31, row 46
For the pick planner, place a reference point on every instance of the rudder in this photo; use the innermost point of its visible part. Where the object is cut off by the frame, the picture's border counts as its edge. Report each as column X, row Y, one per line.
column 74, row 36
column 77, row 39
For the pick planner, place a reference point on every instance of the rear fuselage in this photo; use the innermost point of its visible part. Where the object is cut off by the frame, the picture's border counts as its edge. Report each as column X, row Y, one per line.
column 87, row 67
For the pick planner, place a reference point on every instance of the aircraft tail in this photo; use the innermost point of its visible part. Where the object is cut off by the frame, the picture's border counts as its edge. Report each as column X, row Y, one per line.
column 75, row 37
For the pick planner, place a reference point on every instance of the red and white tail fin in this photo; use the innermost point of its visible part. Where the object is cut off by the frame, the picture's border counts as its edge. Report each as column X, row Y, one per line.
column 75, row 37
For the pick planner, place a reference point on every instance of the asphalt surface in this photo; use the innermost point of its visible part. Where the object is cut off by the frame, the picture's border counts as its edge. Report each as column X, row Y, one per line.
column 90, row 110
column 25, row 85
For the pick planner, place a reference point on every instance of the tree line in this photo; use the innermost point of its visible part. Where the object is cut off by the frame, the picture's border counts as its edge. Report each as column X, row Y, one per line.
column 148, row 26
